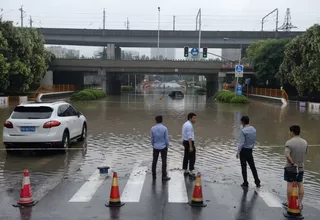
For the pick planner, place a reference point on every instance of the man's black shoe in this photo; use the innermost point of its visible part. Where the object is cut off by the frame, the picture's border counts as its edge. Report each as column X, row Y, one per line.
column 154, row 177
column 165, row 178
column 192, row 176
column 258, row 185
column 186, row 174
column 245, row 185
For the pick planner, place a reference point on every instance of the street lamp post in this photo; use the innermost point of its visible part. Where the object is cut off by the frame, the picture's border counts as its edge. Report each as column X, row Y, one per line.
column 240, row 57
column 158, row 30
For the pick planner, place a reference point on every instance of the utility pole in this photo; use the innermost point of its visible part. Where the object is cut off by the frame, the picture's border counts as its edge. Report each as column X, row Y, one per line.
column 127, row 24
column 174, row 22
column 199, row 16
column 277, row 20
column 31, row 21
column 287, row 25
column 158, row 45
column 21, row 14
column 104, row 20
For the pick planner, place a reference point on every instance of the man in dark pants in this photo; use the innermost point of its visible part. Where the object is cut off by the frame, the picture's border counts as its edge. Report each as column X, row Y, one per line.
column 160, row 143
column 189, row 148
column 245, row 146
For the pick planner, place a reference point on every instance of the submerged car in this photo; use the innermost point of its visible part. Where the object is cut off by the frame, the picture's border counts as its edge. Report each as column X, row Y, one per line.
column 176, row 94
column 50, row 124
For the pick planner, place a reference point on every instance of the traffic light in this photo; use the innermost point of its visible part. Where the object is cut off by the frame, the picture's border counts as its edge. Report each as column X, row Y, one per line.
column 205, row 52
column 186, row 51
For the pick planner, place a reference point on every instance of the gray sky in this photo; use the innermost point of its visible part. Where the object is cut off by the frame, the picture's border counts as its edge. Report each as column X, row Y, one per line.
column 223, row 15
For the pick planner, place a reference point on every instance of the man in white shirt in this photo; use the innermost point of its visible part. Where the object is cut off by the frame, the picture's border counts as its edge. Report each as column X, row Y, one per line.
column 188, row 143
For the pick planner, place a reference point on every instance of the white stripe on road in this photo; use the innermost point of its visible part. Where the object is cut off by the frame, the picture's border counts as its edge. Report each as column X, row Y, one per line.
column 177, row 187
column 269, row 198
column 88, row 189
column 133, row 188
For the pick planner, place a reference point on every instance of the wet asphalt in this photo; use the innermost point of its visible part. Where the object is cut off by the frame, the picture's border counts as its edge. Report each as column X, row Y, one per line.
column 119, row 137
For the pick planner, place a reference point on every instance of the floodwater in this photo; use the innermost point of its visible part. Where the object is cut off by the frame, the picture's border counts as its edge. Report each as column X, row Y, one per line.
column 120, row 126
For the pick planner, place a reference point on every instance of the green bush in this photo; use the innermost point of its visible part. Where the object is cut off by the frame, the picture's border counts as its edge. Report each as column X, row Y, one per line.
column 126, row 88
column 201, row 91
column 88, row 94
column 239, row 99
column 230, row 97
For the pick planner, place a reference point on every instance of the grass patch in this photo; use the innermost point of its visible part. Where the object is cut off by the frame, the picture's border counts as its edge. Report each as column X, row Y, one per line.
column 88, row 94
column 230, row 97
column 127, row 88
column 200, row 91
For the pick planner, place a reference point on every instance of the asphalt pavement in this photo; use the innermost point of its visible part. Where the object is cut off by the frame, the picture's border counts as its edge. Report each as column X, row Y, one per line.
column 147, row 199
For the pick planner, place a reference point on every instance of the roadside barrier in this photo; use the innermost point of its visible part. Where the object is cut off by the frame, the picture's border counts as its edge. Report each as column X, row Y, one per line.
column 114, row 193
column 32, row 149
column 26, row 194
column 197, row 199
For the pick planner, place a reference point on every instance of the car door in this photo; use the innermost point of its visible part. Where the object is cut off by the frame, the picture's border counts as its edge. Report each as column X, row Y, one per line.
column 66, row 115
column 77, row 122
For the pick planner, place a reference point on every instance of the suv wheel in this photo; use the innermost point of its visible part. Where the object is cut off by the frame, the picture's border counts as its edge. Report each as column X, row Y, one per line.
column 84, row 133
column 65, row 141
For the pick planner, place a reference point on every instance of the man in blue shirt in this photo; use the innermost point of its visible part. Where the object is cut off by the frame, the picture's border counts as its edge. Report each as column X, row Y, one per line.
column 245, row 146
column 160, row 143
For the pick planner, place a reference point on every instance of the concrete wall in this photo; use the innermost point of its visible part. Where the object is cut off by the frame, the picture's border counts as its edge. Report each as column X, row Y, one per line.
column 47, row 79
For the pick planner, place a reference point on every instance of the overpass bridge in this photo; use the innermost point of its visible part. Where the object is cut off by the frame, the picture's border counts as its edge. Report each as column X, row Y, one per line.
column 169, row 67
column 148, row 38
column 109, row 72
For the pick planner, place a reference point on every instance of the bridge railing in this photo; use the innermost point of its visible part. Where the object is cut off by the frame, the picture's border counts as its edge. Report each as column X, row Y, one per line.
column 225, row 64
column 55, row 88
column 278, row 93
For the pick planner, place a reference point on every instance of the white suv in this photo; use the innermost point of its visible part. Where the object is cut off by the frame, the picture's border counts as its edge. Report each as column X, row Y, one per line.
column 51, row 124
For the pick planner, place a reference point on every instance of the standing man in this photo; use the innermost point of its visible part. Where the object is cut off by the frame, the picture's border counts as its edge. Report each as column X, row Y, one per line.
column 245, row 146
column 295, row 151
column 160, row 143
column 189, row 148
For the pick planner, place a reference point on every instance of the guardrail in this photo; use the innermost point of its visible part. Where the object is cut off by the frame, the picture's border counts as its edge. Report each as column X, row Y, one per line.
column 278, row 93
column 54, row 88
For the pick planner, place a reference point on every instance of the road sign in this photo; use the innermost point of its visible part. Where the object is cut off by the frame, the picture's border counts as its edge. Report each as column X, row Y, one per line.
column 194, row 52
column 239, row 70
column 247, row 81
column 239, row 90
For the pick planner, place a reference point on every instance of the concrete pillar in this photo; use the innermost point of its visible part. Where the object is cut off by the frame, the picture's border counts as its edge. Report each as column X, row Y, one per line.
column 47, row 79
column 110, row 51
column 118, row 53
column 221, row 77
column 113, row 84
column 212, row 85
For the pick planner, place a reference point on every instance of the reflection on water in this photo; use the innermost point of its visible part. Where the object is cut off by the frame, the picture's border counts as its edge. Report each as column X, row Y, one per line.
column 120, row 126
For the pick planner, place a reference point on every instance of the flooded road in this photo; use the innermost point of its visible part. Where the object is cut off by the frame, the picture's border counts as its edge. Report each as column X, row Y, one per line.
column 119, row 136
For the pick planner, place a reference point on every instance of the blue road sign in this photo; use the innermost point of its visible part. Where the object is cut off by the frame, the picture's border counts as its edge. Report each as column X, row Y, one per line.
column 247, row 81
column 239, row 70
column 194, row 51
column 239, row 90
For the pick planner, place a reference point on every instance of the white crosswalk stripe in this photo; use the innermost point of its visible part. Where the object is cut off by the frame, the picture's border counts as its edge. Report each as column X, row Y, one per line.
column 177, row 190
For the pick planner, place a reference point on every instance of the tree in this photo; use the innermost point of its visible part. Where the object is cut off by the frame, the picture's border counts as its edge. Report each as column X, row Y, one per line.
column 301, row 64
column 23, row 57
column 266, row 57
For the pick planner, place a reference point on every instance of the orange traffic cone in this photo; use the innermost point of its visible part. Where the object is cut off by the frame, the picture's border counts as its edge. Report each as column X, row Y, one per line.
column 197, row 199
column 26, row 194
column 114, row 193
column 293, row 210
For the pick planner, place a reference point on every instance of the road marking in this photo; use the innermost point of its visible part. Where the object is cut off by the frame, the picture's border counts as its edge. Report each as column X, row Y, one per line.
column 89, row 188
column 177, row 189
column 133, row 188
column 269, row 198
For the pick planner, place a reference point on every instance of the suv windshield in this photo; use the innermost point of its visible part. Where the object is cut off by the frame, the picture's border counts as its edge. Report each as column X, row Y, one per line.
column 39, row 112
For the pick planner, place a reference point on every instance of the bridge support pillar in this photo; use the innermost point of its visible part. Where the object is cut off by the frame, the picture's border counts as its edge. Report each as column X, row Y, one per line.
column 113, row 84
column 212, row 85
